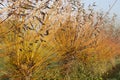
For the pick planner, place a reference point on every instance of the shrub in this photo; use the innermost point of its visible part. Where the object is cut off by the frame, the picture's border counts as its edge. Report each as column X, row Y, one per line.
column 58, row 45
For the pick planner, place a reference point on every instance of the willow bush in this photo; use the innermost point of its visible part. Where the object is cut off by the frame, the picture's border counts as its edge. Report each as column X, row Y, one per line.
column 56, row 42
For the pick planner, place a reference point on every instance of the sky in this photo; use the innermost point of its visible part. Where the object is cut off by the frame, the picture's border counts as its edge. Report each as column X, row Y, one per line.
column 104, row 5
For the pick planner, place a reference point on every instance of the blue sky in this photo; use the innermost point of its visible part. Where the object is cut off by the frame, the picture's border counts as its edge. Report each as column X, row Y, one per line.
column 104, row 5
